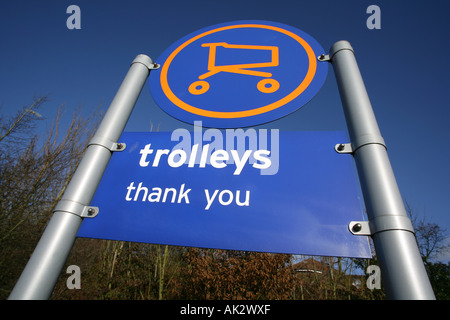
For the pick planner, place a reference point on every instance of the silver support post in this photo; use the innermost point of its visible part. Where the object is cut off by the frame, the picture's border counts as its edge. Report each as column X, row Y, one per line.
column 39, row 277
column 402, row 270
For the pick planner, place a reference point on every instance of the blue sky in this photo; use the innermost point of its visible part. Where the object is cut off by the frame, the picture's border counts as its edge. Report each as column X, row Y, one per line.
column 404, row 66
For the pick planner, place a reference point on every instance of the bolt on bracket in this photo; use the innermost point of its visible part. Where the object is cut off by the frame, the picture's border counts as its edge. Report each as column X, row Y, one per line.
column 359, row 228
column 324, row 57
column 343, row 148
column 155, row 66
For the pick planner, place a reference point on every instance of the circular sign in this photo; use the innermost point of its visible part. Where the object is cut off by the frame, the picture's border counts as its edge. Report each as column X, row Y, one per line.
column 238, row 74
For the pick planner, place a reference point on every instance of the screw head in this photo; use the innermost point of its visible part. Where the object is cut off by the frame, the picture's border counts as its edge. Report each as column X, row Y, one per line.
column 357, row 227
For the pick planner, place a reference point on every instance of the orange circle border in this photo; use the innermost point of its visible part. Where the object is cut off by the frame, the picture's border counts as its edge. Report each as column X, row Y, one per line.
column 247, row 113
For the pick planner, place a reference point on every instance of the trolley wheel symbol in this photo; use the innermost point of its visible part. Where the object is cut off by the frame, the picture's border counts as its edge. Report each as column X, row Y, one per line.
column 264, row 85
column 268, row 85
column 199, row 87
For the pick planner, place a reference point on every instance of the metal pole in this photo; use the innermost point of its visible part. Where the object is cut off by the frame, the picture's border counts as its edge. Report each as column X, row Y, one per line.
column 39, row 277
column 402, row 269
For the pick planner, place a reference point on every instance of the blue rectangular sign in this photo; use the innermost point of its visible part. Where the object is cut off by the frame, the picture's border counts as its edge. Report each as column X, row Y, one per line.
column 254, row 190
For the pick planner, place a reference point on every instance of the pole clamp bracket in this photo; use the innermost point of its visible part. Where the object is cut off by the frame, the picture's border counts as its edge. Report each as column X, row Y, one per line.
column 146, row 61
column 77, row 208
column 358, row 143
column 108, row 144
column 380, row 224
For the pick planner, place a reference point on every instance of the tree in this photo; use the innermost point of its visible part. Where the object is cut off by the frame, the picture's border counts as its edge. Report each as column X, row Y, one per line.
column 439, row 274
column 429, row 235
column 228, row 274
column 34, row 171
column 431, row 243
column 430, row 239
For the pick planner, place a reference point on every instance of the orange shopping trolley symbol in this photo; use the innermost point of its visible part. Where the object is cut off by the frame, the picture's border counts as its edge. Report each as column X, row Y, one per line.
column 266, row 85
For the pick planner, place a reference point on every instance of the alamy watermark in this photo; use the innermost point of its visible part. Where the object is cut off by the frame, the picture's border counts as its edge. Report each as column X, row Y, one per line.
column 74, row 280
column 374, row 278
column 74, row 20
column 374, row 20
column 220, row 148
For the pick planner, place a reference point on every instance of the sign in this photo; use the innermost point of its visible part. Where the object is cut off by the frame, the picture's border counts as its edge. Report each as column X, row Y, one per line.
column 231, row 189
column 238, row 74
